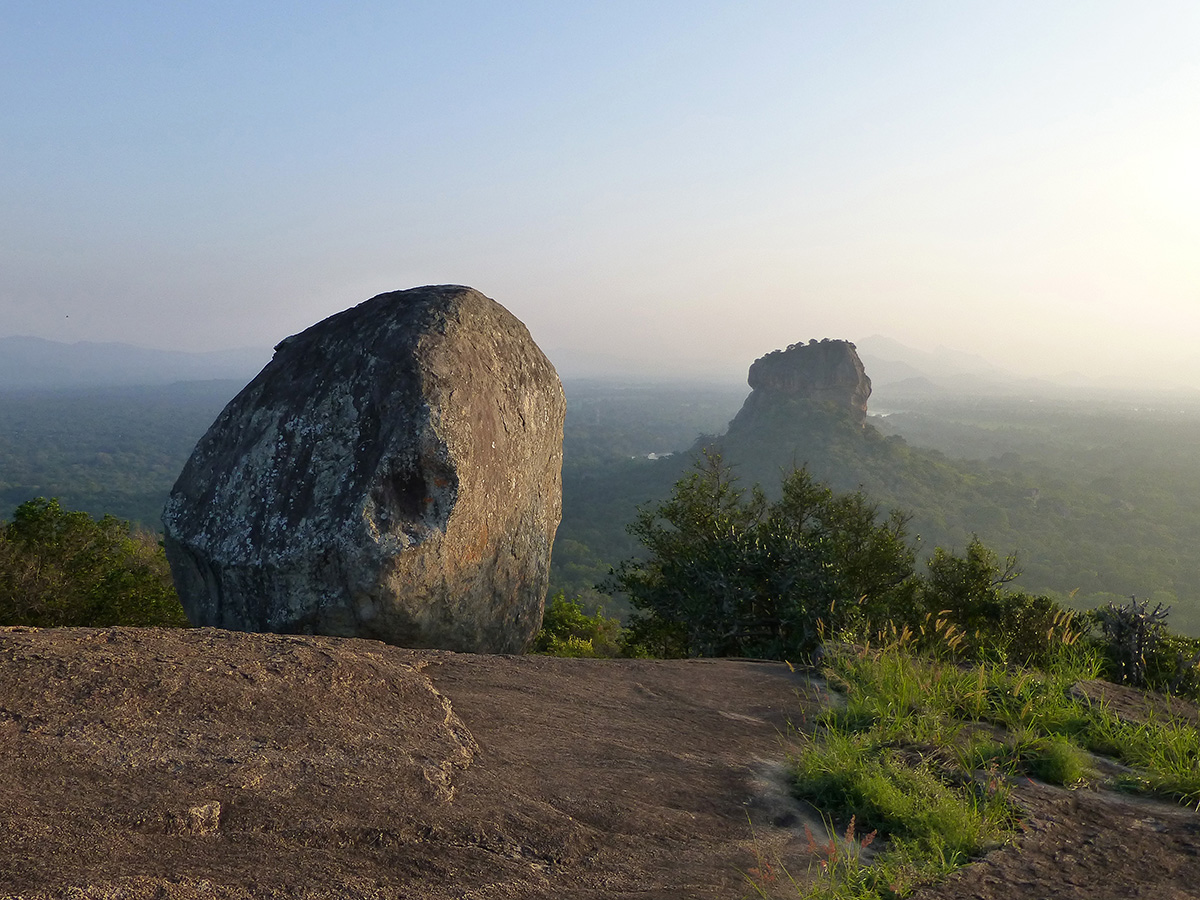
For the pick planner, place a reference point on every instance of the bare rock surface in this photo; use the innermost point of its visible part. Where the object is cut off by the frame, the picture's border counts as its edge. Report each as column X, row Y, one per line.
column 826, row 372
column 395, row 472
column 146, row 763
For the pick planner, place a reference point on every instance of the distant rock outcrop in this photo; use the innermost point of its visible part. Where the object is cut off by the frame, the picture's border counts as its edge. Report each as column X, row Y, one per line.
column 826, row 373
column 395, row 472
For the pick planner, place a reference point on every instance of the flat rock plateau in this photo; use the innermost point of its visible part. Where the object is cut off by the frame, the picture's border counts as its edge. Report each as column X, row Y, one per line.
column 207, row 763
column 147, row 763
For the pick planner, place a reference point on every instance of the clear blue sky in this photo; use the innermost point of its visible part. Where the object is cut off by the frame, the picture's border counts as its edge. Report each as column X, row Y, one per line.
column 656, row 180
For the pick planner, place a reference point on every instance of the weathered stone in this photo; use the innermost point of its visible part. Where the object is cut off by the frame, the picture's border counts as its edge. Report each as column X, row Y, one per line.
column 204, row 818
column 395, row 472
column 824, row 372
column 350, row 770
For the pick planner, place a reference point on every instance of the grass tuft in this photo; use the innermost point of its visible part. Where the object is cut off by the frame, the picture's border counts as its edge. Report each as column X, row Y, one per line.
column 1055, row 760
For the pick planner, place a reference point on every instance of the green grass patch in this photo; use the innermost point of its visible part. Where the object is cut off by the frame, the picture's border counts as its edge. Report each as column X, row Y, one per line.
column 921, row 751
column 1055, row 760
column 1165, row 753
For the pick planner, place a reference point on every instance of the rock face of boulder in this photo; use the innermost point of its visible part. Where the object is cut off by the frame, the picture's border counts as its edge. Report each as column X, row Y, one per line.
column 823, row 372
column 395, row 472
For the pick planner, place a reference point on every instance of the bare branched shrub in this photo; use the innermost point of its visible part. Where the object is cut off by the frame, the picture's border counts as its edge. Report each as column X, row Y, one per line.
column 1131, row 631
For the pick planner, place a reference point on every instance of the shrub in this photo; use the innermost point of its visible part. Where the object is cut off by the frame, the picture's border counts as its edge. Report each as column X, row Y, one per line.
column 1131, row 632
column 1174, row 665
column 62, row 567
column 1140, row 650
column 728, row 573
column 568, row 631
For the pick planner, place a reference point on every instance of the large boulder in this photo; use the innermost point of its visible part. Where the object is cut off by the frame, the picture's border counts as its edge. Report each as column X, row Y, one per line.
column 395, row 472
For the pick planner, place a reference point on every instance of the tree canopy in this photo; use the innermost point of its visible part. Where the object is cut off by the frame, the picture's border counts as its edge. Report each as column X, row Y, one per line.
column 62, row 567
column 727, row 572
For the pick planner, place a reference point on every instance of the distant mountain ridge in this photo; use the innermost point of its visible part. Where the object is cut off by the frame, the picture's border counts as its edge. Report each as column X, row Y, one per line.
column 898, row 371
column 33, row 363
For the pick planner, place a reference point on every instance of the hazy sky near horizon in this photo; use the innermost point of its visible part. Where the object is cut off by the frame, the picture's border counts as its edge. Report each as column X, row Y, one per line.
column 665, row 181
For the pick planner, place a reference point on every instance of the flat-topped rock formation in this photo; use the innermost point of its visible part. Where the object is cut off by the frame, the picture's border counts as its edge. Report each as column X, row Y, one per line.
column 826, row 373
column 395, row 472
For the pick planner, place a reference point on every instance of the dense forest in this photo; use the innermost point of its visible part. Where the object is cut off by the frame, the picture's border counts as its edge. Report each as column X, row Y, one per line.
column 106, row 451
column 1100, row 498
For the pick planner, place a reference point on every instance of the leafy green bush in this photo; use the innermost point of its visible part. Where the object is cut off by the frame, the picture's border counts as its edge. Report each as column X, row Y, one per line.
column 568, row 631
column 968, row 588
column 730, row 574
column 62, row 567
column 968, row 592
column 1173, row 665
column 1035, row 630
